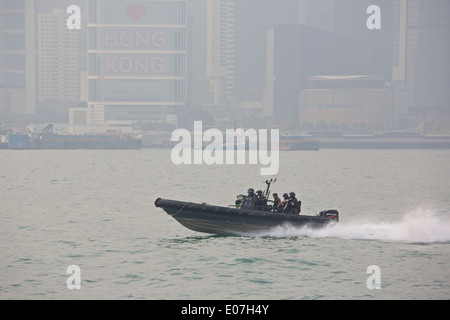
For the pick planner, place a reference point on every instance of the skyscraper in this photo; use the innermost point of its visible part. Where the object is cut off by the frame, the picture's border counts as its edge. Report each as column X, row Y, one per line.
column 58, row 67
column 317, row 13
column 300, row 52
column 137, row 59
column 237, row 34
column 428, row 54
column 17, row 57
column 220, row 51
column 252, row 19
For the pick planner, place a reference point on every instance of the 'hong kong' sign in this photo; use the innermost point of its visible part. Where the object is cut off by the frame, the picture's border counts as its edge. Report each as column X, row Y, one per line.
column 134, row 64
column 142, row 41
column 124, row 40
column 131, row 44
column 134, row 39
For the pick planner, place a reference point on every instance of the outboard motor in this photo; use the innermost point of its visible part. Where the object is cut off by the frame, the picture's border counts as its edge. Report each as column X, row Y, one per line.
column 331, row 214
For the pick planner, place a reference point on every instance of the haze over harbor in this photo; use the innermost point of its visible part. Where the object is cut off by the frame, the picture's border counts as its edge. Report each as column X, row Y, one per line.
column 358, row 67
column 131, row 129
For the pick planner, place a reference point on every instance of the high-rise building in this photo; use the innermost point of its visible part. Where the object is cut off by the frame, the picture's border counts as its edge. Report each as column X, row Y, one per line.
column 351, row 17
column 17, row 57
column 317, row 13
column 411, row 50
column 334, row 38
column 197, row 82
column 58, row 67
column 252, row 19
column 428, row 54
column 137, row 59
column 220, row 51
column 237, row 40
column 299, row 52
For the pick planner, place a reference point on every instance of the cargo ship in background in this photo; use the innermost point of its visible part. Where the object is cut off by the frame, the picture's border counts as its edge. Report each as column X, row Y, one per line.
column 4, row 142
column 47, row 139
column 293, row 142
column 382, row 140
column 287, row 142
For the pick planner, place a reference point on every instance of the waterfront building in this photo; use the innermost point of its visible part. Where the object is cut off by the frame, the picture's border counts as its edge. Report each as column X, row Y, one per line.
column 137, row 59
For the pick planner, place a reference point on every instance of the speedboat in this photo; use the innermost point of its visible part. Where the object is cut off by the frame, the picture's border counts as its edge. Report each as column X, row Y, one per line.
column 244, row 217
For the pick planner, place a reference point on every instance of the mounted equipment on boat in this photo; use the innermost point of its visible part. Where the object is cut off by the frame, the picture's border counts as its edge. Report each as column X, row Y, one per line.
column 242, row 218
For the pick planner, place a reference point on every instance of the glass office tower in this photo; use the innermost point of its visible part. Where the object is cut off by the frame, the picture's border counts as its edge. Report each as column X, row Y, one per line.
column 137, row 59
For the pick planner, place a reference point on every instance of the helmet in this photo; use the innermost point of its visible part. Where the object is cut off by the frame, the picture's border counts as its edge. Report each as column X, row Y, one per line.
column 259, row 192
column 292, row 194
column 275, row 194
column 251, row 191
column 285, row 195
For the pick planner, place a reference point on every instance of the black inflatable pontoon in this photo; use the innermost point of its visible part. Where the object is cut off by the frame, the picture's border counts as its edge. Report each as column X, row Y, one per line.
column 238, row 221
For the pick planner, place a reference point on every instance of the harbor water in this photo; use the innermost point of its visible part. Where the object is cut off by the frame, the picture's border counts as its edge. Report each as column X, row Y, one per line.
column 94, row 209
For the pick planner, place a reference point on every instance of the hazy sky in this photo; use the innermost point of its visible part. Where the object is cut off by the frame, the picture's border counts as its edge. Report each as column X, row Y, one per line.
column 338, row 37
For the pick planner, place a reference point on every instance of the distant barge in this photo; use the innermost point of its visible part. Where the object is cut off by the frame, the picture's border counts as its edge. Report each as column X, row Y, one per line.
column 49, row 140
column 24, row 142
column 298, row 142
column 387, row 140
column 374, row 143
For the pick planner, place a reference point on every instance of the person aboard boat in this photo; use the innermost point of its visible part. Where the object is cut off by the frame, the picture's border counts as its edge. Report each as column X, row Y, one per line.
column 251, row 193
column 261, row 201
column 295, row 204
column 277, row 203
column 286, row 203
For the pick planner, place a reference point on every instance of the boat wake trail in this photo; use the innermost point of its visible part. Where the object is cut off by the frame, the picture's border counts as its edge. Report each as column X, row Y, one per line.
column 419, row 226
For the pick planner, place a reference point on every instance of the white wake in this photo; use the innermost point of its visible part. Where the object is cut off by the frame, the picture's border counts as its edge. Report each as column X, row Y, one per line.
column 419, row 226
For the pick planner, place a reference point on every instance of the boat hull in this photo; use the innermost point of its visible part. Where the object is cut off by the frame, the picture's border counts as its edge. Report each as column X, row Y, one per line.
column 222, row 220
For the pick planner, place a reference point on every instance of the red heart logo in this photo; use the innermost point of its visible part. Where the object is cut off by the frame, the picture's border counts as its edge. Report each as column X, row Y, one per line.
column 135, row 12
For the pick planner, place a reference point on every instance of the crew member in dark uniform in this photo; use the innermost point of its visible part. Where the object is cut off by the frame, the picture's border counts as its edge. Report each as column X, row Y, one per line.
column 299, row 206
column 286, row 203
column 295, row 208
column 260, row 200
column 259, row 194
column 252, row 195
column 277, row 203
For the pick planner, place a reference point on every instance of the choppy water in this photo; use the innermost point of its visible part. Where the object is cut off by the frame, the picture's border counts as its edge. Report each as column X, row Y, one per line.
column 95, row 209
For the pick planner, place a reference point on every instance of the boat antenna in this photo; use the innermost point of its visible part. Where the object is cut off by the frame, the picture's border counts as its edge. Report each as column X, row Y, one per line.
column 269, row 182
